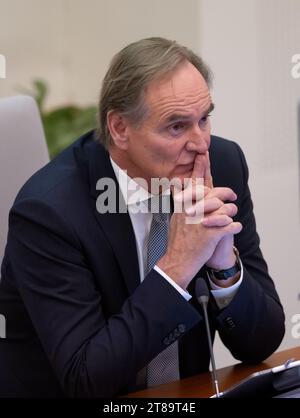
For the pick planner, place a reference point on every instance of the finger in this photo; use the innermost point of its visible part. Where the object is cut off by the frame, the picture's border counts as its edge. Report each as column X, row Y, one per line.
column 195, row 209
column 229, row 209
column 176, row 188
column 199, row 167
column 222, row 193
column 206, row 190
column 192, row 193
column 233, row 228
column 206, row 205
column 216, row 221
column 214, row 199
column 208, row 181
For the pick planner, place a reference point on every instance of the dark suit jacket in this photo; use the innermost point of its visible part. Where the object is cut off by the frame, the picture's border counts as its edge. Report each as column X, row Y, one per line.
column 78, row 320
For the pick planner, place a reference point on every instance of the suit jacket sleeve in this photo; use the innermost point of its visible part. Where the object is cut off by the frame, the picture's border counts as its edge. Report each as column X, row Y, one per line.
column 252, row 325
column 90, row 354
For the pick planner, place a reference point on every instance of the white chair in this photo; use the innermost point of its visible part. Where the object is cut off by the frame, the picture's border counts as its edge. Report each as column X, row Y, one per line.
column 23, row 151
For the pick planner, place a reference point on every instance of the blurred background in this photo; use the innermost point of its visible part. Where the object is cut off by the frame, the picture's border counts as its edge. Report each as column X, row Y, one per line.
column 59, row 50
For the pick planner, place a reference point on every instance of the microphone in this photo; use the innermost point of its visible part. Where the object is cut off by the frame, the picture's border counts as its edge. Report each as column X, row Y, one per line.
column 202, row 295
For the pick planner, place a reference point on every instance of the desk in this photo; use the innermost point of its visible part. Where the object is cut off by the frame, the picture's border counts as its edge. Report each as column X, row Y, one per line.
column 200, row 386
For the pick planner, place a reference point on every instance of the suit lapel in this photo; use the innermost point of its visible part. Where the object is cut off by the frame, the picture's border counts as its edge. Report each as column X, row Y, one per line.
column 116, row 226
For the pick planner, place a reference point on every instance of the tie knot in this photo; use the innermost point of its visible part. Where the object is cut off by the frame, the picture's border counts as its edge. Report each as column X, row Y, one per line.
column 160, row 217
column 159, row 206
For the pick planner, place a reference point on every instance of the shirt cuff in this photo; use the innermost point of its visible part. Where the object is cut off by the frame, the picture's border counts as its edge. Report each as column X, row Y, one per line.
column 179, row 289
column 224, row 295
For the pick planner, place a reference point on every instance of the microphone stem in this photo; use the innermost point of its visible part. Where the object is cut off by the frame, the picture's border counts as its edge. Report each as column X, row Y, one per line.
column 213, row 364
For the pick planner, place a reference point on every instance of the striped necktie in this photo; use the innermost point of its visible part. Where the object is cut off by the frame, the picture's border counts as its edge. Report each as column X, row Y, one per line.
column 164, row 367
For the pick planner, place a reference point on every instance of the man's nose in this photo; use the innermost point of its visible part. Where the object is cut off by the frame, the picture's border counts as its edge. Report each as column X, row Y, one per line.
column 198, row 142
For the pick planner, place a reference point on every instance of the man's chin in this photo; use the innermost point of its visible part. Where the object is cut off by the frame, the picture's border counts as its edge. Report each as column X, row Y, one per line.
column 184, row 174
column 181, row 180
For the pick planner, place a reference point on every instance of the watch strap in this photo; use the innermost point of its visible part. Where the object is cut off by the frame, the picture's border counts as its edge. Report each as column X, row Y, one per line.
column 226, row 273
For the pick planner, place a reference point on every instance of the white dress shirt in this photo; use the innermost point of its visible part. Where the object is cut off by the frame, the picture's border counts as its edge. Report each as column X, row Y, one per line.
column 136, row 199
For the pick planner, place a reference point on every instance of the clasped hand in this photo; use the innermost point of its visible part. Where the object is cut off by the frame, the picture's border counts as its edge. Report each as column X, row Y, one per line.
column 209, row 239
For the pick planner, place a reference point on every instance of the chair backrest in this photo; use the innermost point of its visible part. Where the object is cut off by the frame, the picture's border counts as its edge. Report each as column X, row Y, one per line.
column 23, row 151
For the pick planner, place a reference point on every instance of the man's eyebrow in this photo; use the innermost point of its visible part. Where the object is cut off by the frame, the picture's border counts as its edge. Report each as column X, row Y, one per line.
column 210, row 109
column 182, row 117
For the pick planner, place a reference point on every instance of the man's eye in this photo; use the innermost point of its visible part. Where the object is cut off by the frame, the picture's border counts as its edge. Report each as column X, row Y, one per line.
column 176, row 127
column 204, row 120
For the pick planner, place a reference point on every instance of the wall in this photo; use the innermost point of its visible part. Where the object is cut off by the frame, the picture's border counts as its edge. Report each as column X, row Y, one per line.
column 249, row 45
column 70, row 42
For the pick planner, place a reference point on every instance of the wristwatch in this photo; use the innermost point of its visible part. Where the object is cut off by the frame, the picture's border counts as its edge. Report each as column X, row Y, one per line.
column 227, row 273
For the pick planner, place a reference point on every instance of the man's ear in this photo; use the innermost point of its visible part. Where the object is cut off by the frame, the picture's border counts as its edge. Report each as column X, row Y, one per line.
column 117, row 126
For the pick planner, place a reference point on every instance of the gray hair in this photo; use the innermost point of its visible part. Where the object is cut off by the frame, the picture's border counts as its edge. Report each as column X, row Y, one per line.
column 130, row 72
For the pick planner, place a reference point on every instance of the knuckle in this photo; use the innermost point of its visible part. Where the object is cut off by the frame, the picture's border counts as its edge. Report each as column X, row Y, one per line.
column 214, row 203
column 232, row 209
column 218, row 202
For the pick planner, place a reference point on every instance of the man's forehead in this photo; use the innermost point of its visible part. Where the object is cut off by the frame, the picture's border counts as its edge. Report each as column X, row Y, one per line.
column 183, row 88
column 174, row 107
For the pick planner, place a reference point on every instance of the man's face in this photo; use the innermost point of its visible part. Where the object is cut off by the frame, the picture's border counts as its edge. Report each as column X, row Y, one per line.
column 175, row 130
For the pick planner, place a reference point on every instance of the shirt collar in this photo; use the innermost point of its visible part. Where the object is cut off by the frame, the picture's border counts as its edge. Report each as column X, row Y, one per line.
column 133, row 193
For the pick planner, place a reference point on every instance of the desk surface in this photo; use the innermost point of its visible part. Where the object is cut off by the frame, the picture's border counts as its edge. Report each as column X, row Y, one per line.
column 200, row 386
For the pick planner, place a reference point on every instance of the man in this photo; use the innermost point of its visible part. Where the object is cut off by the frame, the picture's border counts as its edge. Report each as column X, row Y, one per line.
column 101, row 303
